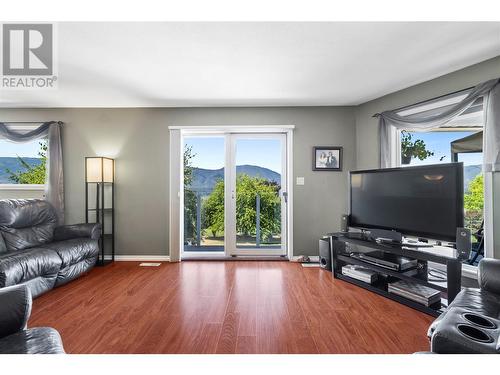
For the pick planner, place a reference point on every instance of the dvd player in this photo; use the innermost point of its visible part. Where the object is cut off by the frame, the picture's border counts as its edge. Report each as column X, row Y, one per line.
column 386, row 260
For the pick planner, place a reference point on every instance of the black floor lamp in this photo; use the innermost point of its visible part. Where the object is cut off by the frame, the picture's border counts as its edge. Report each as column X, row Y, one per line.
column 100, row 202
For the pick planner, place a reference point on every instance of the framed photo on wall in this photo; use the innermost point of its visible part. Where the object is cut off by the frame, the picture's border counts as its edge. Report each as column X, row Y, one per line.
column 327, row 158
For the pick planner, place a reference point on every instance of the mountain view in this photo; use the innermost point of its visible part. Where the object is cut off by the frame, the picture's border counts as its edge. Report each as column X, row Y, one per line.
column 14, row 165
column 470, row 172
column 205, row 179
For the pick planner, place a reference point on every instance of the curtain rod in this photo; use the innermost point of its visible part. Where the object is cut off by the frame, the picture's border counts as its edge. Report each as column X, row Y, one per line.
column 21, row 122
column 28, row 122
column 427, row 100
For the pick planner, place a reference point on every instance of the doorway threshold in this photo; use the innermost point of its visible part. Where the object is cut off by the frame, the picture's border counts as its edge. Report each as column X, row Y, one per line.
column 224, row 257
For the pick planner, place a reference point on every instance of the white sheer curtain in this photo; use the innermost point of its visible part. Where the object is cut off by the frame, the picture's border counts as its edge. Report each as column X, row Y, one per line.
column 54, row 179
column 491, row 139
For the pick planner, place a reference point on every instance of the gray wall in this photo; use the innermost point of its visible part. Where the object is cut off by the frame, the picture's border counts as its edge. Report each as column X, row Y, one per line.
column 367, row 142
column 138, row 139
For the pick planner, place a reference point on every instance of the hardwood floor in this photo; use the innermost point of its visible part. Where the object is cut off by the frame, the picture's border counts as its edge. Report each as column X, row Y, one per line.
column 225, row 307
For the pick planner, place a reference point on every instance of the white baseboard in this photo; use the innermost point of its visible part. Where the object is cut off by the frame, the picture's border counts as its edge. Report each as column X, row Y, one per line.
column 142, row 258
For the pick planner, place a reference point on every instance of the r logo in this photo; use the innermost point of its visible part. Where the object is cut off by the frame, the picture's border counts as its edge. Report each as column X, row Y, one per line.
column 27, row 49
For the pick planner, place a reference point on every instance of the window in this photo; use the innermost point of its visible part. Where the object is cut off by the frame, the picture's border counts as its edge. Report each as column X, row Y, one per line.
column 459, row 140
column 23, row 163
column 22, row 168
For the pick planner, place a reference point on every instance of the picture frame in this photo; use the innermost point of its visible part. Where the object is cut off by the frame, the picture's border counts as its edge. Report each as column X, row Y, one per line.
column 327, row 158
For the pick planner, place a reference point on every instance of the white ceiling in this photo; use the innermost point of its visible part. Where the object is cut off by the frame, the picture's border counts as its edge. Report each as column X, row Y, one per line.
column 251, row 64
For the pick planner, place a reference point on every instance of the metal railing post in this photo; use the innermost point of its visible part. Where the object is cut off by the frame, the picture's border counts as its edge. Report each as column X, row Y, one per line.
column 257, row 220
column 198, row 218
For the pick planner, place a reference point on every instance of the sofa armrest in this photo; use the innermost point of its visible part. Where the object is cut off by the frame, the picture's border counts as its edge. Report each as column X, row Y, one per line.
column 67, row 232
column 434, row 325
column 15, row 309
column 488, row 275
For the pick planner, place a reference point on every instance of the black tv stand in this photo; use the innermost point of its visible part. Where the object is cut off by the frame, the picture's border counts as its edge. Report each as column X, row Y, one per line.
column 343, row 244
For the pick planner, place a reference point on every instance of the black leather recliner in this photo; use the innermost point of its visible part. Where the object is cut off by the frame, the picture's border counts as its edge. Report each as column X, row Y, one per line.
column 471, row 324
column 37, row 252
column 15, row 338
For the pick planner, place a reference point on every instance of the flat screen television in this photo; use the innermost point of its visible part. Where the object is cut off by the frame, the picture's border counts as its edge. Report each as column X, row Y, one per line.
column 423, row 201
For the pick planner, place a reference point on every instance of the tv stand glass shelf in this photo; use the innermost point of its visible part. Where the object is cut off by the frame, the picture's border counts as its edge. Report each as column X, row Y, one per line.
column 356, row 249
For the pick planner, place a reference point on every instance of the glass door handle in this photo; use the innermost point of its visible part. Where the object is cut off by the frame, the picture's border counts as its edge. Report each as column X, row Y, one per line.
column 285, row 196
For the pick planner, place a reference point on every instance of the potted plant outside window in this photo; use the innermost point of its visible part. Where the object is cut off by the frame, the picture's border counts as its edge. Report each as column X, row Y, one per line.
column 413, row 149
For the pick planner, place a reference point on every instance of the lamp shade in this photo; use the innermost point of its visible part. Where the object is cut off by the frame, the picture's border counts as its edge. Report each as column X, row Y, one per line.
column 99, row 169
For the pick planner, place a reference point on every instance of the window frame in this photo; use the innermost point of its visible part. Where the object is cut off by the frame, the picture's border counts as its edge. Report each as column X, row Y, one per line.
column 22, row 187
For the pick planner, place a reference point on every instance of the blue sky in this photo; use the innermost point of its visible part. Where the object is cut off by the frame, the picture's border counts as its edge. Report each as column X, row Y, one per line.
column 261, row 152
column 439, row 143
column 27, row 149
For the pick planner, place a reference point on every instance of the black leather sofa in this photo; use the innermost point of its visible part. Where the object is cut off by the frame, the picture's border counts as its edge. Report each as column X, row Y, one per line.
column 15, row 338
column 35, row 251
column 471, row 324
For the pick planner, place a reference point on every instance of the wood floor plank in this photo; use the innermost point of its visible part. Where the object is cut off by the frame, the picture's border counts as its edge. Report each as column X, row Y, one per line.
column 225, row 307
column 207, row 342
column 246, row 345
column 229, row 334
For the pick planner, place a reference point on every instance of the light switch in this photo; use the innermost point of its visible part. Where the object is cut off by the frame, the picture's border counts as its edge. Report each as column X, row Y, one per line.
column 300, row 180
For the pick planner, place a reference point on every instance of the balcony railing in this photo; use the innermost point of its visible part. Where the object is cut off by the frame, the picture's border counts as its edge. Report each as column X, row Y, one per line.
column 194, row 230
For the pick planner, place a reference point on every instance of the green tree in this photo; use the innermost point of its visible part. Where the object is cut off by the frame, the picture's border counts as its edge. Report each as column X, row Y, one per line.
column 474, row 203
column 474, row 196
column 31, row 174
column 189, row 195
column 247, row 189
column 213, row 209
column 188, row 168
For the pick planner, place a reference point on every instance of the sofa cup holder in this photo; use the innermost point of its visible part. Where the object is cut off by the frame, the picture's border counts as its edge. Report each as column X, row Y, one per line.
column 474, row 333
column 479, row 321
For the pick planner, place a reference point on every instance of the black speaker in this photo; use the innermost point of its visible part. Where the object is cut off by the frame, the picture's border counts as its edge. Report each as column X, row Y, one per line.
column 463, row 243
column 344, row 223
column 325, row 255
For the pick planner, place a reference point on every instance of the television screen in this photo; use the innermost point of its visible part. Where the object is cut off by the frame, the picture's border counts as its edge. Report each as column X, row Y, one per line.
column 424, row 201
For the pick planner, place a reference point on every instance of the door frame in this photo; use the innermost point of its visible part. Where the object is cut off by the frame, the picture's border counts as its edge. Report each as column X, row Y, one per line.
column 176, row 177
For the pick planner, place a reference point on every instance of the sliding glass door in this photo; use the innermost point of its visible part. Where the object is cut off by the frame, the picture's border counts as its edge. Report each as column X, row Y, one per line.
column 235, row 197
column 257, row 206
